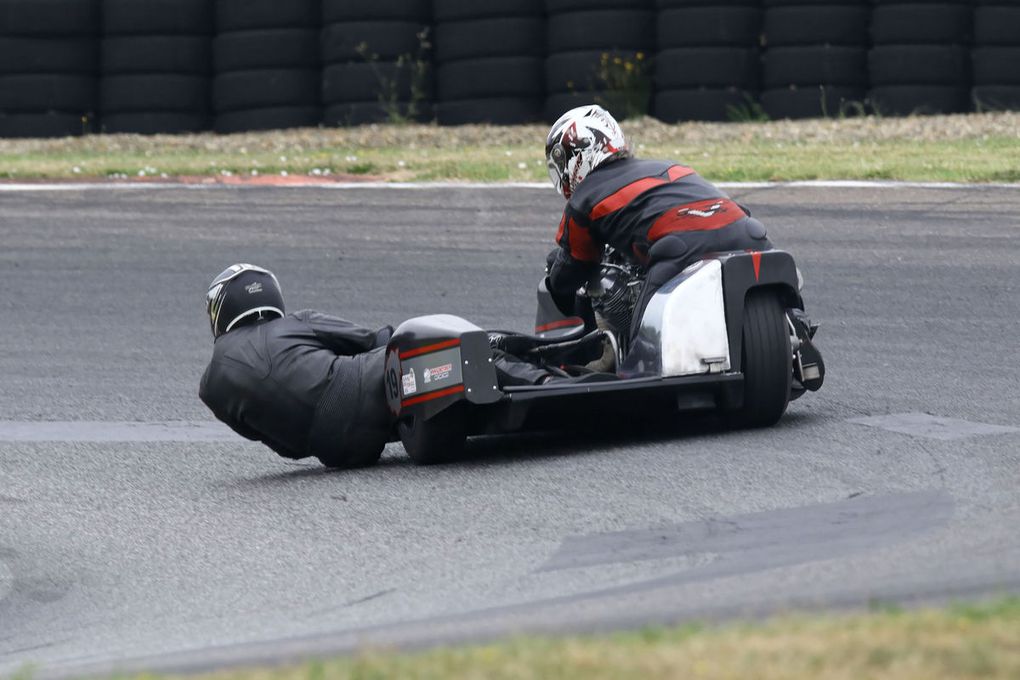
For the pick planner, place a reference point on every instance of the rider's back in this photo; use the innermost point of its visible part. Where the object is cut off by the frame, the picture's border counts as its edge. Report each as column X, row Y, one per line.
column 306, row 384
column 620, row 201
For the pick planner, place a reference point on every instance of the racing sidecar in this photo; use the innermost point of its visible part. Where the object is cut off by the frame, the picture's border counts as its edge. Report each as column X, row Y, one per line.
column 727, row 334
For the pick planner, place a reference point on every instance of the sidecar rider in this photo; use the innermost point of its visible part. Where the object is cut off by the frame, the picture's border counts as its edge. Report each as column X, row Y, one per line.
column 661, row 214
column 306, row 383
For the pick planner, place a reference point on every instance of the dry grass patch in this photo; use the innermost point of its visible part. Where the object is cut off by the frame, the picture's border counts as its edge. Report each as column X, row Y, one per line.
column 973, row 147
column 954, row 643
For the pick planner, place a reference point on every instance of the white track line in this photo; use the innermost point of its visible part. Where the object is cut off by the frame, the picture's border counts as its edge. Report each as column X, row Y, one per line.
column 157, row 186
column 119, row 431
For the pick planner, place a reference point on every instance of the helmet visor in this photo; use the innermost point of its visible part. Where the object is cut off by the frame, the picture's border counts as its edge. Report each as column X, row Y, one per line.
column 555, row 177
column 556, row 164
column 213, row 302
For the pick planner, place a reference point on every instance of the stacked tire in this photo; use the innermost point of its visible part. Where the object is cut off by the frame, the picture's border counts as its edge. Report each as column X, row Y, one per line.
column 154, row 65
column 489, row 61
column 598, row 54
column 48, row 65
column 707, row 65
column 375, row 57
column 919, row 61
column 996, row 55
column 266, row 65
column 815, row 58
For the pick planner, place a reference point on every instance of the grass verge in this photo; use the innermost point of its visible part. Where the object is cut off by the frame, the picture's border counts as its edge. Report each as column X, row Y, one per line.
column 955, row 642
column 962, row 148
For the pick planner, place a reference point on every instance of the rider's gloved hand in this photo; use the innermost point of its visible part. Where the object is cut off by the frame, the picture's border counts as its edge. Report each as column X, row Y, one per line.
column 497, row 341
column 565, row 302
column 550, row 259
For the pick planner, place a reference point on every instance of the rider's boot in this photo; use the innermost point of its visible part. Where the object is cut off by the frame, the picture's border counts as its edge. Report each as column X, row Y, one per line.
column 607, row 362
column 512, row 371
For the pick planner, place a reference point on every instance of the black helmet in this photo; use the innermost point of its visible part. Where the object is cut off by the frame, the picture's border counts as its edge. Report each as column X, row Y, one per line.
column 239, row 292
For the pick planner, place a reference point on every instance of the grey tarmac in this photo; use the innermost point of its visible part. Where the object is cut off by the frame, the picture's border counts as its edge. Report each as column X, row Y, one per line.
column 135, row 533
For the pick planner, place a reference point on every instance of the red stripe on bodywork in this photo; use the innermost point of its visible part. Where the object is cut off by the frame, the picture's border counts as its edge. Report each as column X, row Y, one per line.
column 756, row 260
column 707, row 215
column 621, row 197
column 456, row 389
column 427, row 349
column 562, row 323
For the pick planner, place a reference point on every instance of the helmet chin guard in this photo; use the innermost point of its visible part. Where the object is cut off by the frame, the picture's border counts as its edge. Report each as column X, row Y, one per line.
column 580, row 141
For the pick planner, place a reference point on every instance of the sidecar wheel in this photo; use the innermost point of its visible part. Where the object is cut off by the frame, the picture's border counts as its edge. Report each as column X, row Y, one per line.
column 437, row 440
column 767, row 361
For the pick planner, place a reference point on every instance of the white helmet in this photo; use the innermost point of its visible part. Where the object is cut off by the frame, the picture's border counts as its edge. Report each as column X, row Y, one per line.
column 580, row 141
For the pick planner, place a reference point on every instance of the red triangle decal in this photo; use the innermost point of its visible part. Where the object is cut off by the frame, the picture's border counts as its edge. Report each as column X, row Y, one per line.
column 756, row 259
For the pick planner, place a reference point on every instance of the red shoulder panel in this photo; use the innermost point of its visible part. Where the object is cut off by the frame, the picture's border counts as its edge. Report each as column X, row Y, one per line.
column 621, row 197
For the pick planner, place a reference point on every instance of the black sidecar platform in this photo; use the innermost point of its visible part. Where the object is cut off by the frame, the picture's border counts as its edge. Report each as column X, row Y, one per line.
column 441, row 382
column 442, row 389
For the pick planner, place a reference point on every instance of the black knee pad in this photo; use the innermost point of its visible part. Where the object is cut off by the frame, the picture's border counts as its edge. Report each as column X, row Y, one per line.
column 755, row 229
column 669, row 247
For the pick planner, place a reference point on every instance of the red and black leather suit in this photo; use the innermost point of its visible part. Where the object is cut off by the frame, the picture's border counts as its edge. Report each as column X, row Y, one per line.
column 663, row 215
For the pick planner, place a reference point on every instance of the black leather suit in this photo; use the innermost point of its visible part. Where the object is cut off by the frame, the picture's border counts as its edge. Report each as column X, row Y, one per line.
column 307, row 384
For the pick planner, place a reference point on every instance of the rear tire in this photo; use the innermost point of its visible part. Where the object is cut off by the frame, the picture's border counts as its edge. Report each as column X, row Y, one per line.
column 438, row 440
column 767, row 361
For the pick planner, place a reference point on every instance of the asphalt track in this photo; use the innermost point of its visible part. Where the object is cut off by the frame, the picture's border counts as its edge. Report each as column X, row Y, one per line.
column 134, row 533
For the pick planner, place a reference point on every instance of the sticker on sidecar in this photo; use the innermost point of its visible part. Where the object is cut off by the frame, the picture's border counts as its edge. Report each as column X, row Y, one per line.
column 438, row 373
column 430, row 372
column 408, row 382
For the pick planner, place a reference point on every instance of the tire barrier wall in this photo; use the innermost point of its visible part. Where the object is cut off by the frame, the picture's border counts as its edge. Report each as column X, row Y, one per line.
column 48, row 67
column 919, row 60
column 995, row 58
column 266, row 65
column 154, row 66
column 815, row 58
column 598, row 51
column 708, row 62
column 70, row 67
column 376, row 62
column 489, row 61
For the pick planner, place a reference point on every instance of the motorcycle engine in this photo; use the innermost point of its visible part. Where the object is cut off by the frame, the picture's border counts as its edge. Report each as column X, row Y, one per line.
column 614, row 298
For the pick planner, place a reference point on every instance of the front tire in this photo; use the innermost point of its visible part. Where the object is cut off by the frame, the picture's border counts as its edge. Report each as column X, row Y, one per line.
column 767, row 361
column 437, row 440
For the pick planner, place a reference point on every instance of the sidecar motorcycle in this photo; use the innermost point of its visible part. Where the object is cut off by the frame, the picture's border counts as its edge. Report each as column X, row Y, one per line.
column 728, row 335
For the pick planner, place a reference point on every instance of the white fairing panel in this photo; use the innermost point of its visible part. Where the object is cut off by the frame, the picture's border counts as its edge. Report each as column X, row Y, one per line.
column 694, row 338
